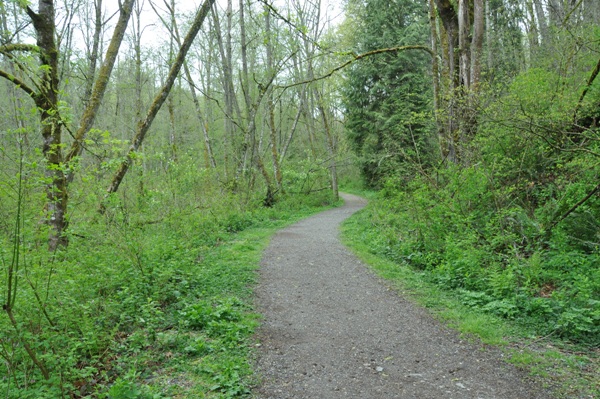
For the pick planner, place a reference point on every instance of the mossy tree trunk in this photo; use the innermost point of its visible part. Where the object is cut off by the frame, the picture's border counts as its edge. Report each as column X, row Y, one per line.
column 46, row 101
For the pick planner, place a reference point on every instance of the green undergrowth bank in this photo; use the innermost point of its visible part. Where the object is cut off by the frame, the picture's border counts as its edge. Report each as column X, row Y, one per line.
column 379, row 235
column 142, row 305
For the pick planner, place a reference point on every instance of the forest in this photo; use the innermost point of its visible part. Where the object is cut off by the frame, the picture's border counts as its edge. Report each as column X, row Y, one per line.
column 148, row 148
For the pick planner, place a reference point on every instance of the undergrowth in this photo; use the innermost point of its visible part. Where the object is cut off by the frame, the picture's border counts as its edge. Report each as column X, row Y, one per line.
column 485, row 279
column 148, row 301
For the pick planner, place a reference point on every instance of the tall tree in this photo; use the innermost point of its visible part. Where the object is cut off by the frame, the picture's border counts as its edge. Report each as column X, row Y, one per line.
column 386, row 95
column 44, row 91
column 145, row 124
column 463, row 34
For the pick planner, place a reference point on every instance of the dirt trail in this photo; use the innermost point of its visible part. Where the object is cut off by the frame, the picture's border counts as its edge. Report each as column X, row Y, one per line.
column 333, row 330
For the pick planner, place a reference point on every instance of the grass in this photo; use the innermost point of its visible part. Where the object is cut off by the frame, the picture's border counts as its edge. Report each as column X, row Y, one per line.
column 569, row 371
column 207, row 354
column 138, row 309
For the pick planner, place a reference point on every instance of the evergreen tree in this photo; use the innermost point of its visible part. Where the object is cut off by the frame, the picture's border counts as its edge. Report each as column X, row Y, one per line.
column 387, row 97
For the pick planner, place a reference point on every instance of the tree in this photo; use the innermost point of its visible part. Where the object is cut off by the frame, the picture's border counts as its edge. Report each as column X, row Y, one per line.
column 44, row 91
column 462, row 48
column 145, row 124
column 387, row 95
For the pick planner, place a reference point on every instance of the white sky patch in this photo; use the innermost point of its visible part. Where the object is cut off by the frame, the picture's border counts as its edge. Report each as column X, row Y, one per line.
column 155, row 34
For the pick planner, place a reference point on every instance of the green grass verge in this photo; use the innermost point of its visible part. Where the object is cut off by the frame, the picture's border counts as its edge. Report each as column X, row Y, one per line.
column 144, row 303
column 207, row 353
column 568, row 371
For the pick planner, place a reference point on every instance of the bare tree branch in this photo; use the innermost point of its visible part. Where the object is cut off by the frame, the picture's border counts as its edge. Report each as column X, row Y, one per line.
column 360, row 57
column 298, row 29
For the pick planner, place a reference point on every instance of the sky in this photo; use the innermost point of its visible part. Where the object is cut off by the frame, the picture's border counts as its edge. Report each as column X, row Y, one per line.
column 154, row 32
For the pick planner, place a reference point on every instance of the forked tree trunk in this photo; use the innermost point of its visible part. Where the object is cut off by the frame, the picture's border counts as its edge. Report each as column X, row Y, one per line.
column 463, row 32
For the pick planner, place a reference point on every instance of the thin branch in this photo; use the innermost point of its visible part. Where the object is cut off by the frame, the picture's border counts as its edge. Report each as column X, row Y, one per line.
column 359, row 57
column 571, row 12
column 293, row 25
column 20, row 84
column 159, row 99
column 574, row 207
column 590, row 81
column 89, row 115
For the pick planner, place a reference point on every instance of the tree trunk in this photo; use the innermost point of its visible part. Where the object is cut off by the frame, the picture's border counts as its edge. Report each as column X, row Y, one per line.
column 225, row 52
column 271, row 104
column 449, row 42
column 477, row 43
column 542, row 21
column 464, row 31
column 247, row 145
column 93, row 54
column 210, row 158
column 47, row 103
column 435, row 71
column 488, row 36
column 330, row 144
column 160, row 98
column 91, row 110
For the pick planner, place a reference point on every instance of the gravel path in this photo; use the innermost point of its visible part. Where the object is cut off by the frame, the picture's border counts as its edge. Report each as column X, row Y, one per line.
column 333, row 330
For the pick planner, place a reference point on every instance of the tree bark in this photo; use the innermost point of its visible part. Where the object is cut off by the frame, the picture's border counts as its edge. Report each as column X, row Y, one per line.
column 199, row 114
column 93, row 53
column 228, row 91
column 248, row 142
column 51, row 125
column 435, row 72
column 542, row 21
column 464, row 31
column 477, row 43
column 330, row 144
column 450, row 21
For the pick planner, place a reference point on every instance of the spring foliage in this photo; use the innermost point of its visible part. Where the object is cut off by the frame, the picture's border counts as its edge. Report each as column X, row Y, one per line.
column 513, row 227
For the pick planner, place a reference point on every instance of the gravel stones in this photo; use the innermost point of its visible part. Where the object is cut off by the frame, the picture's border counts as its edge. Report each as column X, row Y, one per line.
column 332, row 329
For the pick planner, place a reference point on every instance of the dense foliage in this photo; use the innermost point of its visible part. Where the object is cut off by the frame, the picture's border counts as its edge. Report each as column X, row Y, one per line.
column 387, row 97
column 511, row 224
column 485, row 147
column 151, row 300
column 130, row 233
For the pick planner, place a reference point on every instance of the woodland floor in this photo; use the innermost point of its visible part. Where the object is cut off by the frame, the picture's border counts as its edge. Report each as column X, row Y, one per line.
column 332, row 329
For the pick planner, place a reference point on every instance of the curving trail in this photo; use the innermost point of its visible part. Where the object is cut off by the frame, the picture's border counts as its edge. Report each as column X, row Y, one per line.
column 333, row 330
